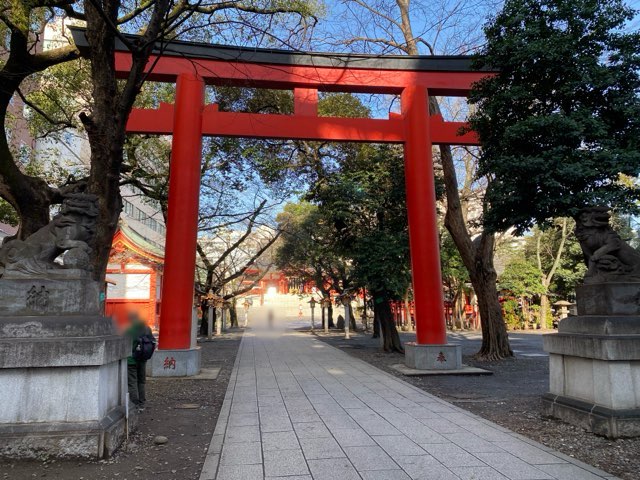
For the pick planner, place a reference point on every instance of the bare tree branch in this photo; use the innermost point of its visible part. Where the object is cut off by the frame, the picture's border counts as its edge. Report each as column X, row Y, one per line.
column 255, row 256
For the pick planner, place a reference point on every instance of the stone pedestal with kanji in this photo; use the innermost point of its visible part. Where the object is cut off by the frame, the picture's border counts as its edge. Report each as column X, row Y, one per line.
column 63, row 371
column 433, row 357
column 174, row 363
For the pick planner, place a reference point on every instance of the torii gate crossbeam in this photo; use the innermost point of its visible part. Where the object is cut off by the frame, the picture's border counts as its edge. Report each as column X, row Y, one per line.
column 192, row 66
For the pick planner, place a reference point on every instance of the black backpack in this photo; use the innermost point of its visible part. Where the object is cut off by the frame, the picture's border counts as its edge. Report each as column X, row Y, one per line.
column 145, row 346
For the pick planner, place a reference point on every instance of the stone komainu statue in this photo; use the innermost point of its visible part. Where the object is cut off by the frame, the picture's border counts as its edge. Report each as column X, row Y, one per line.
column 608, row 257
column 70, row 234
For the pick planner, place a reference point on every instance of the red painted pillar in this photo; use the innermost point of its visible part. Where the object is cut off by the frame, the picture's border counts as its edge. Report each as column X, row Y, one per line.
column 305, row 102
column 182, row 221
column 423, row 226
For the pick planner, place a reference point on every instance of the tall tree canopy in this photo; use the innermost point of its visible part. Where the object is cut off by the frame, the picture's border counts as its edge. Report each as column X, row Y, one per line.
column 560, row 122
column 355, row 233
column 104, row 119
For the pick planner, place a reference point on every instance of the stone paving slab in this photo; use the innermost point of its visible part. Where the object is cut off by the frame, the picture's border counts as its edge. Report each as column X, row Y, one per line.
column 297, row 408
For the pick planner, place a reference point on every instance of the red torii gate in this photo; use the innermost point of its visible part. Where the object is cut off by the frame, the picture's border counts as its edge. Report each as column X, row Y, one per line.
column 193, row 65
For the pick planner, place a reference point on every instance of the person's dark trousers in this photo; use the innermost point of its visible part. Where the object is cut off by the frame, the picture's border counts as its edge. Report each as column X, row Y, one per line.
column 141, row 368
column 132, row 382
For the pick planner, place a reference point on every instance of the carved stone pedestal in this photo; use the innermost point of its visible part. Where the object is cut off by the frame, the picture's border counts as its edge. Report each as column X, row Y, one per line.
column 178, row 362
column 433, row 357
column 174, row 363
column 63, row 378
column 594, row 362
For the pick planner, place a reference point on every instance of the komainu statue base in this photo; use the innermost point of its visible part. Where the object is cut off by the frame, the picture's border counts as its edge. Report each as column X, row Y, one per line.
column 594, row 362
column 63, row 367
column 63, row 375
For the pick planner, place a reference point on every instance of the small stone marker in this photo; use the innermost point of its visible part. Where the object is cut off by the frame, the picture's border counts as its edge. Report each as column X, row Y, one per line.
column 160, row 440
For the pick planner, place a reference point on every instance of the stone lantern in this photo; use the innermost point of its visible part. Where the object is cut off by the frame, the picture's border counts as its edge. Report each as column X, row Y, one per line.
column 563, row 308
column 312, row 304
column 345, row 300
column 325, row 304
column 210, row 298
column 246, row 305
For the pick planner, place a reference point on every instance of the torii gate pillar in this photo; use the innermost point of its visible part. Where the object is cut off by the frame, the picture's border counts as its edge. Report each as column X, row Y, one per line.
column 305, row 73
column 177, row 353
column 430, row 351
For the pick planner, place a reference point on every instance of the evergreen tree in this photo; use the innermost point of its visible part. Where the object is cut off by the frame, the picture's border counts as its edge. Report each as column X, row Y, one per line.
column 559, row 122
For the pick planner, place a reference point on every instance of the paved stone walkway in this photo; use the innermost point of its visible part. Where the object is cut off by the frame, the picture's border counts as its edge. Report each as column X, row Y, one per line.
column 297, row 408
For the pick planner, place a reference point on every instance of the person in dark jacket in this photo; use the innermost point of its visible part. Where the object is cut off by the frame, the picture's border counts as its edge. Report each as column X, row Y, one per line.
column 136, row 366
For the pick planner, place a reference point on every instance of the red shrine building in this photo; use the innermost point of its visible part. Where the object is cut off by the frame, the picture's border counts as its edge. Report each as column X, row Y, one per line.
column 134, row 276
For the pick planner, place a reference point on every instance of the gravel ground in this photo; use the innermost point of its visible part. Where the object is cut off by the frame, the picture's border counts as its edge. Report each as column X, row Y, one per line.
column 184, row 411
column 510, row 397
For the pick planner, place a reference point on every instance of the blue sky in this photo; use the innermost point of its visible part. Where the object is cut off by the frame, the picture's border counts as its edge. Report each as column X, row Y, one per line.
column 449, row 26
column 452, row 26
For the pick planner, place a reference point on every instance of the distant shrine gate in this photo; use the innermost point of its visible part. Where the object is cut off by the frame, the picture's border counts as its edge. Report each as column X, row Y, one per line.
column 192, row 66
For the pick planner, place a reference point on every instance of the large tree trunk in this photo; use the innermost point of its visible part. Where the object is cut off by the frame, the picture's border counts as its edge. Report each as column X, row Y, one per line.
column 495, row 341
column 544, row 310
column 31, row 197
column 352, row 319
column 477, row 256
column 104, row 182
column 376, row 325
column 112, row 102
column 105, row 127
column 383, row 316
column 233, row 314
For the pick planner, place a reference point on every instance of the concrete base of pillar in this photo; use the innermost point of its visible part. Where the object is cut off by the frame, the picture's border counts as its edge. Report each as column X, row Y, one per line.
column 433, row 357
column 174, row 363
column 465, row 370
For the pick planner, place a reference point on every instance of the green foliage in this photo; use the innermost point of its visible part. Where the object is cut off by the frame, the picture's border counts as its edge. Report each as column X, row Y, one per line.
column 571, row 268
column 302, row 240
column 626, row 228
column 560, row 122
column 367, row 200
column 521, row 278
column 341, row 105
column 548, row 320
column 353, row 228
column 570, row 274
column 64, row 92
column 512, row 314
column 8, row 214
column 356, row 228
